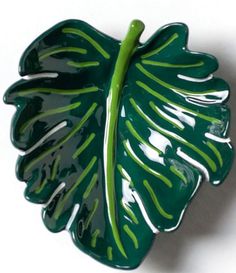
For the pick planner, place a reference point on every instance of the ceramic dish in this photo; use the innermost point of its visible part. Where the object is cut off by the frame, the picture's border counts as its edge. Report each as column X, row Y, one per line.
column 117, row 135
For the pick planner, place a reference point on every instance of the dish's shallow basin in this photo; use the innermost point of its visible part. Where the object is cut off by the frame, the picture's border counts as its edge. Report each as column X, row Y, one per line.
column 117, row 135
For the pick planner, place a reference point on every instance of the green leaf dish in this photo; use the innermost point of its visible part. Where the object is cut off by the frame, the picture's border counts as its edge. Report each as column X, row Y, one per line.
column 117, row 136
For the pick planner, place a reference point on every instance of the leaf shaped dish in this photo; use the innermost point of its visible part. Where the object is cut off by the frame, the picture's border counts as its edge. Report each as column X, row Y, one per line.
column 117, row 136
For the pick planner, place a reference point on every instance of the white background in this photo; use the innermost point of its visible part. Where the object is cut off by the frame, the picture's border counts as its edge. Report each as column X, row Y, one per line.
column 206, row 240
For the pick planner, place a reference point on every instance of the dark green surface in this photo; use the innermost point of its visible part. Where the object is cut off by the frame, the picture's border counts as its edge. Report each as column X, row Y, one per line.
column 132, row 132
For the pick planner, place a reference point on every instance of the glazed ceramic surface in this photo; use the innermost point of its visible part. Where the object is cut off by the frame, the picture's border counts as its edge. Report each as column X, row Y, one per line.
column 117, row 136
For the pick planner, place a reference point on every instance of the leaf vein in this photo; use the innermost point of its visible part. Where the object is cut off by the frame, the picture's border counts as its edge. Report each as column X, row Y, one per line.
column 47, row 53
column 131, row 235
column 209, row 161
column 84, row 145
column 58, row 91
column 85, row 172
column 64, row 140
column 47, row 113
column 169, row 65
column 170, row 86
column 94, row 238
column 90, row 186
column 82, row 64
column 156, row 202
column 84, row 35
column 163, row 46
column 162, row 98
column 138, row 161
column 139, row 138
column 91, row 214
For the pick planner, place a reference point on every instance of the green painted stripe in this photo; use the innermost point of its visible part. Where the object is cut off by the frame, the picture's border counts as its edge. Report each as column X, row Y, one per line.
column 156, row 202
column 131, row 235
column 58, row 91
column 41, row 186
column 83, row 174
column 170, row 86
column 139, row 138
column 129, row 212
column 91, row 213
column 209, row 161
column 109, row 253
column 82, row 64
column 158, row 112
column 47, row 53
column 124, row 174
column 53, row 175
column 161, row 64
column 127, row 49
column 162, row 98
column 178, row 173
column 55, row 167
column 47, row 113
column 90, row 186
column 64, row 140
column 134, row 157
column 159, row 49
column 61, row 204
column 94, row 237
column 84, row 145
column 216, row 152
column 84, row 35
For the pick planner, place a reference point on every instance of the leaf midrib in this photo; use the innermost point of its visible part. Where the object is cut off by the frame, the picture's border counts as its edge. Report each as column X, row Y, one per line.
column 127, row 48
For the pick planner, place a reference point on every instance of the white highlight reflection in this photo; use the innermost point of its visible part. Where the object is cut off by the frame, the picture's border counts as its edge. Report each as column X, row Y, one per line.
column 159, row 141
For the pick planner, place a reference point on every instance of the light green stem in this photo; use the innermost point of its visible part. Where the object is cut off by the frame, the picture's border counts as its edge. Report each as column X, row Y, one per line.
column 127, row 49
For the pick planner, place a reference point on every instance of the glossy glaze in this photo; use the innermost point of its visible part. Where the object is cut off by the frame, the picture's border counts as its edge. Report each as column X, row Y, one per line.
column 117, row 135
